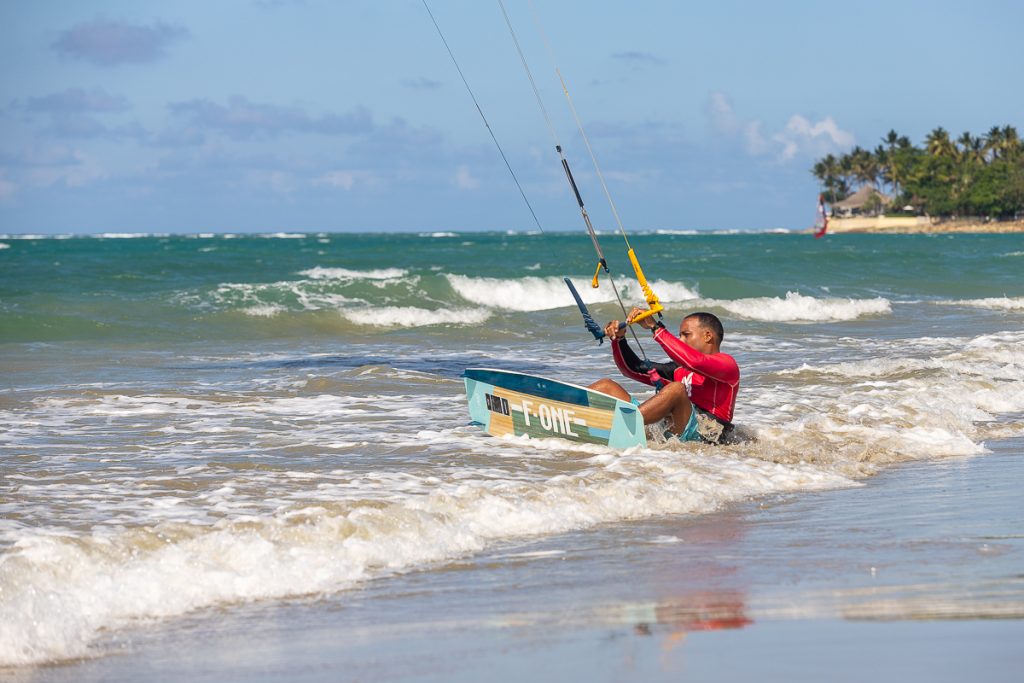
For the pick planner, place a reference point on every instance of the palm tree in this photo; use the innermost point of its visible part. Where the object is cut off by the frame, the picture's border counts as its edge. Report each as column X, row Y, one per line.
column 864, row 166
column 827, row 171
column 968, row 156
column 891, row 141
column 993, row 143
column 938, row 143
column 943, row 176
column 883, row 160
column 846, row 175
column 1012, row 147
column 893, row 171
column 968, row 149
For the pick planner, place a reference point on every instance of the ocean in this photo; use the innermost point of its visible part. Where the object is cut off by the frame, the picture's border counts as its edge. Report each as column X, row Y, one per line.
column 201, row 433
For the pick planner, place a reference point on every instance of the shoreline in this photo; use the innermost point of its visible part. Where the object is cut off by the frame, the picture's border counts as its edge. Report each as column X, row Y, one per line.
column 909, row 225
column 915, row 568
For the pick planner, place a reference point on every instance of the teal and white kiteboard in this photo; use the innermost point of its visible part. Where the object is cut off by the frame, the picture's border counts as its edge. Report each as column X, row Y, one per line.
column 515, row 403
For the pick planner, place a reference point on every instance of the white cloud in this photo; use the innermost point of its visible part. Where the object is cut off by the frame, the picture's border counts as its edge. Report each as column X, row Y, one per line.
column 343, row 179
column 280, row 182
column 719, row 110
column 800, row 137
column 464, row 180
column 816, row 139
column 724, row 119
column 754, row 139
column 346, row 179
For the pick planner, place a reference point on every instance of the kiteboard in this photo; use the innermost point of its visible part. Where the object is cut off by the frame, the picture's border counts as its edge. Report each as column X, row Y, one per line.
column 507, row 403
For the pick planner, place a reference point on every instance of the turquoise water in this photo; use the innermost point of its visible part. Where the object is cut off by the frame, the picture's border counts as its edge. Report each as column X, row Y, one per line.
column 193, row 422
column 216, row 287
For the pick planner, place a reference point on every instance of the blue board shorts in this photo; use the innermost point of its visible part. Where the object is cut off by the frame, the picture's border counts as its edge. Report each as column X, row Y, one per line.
column 690, row 433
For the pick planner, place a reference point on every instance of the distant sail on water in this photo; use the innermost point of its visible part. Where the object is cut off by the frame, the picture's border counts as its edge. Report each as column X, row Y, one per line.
column 821, row 218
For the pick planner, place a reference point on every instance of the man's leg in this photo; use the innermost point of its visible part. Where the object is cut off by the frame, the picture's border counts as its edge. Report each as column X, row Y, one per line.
column 612, row 388
column 671, row 402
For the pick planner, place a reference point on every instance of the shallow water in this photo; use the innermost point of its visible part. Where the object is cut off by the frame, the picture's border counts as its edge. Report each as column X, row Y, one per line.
column 189, row 435
column 915, row 573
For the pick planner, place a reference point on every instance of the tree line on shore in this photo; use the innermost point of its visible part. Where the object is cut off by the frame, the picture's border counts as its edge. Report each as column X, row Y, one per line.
column 968, row 176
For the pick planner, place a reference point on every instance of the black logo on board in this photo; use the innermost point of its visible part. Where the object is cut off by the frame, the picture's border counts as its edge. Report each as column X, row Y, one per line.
column 496, row 404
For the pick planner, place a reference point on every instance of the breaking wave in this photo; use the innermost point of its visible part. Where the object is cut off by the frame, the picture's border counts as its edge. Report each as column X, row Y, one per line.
column 795, row 307
column 411, row 316
column 320, row 273
column 1000, row 303
column 62, row 592
column 536, row 293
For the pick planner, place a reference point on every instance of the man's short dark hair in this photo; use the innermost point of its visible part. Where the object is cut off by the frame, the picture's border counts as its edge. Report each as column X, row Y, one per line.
column 710, row 321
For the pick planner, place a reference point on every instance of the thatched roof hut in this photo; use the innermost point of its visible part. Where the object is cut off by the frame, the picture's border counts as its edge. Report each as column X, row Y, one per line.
column 855, row 203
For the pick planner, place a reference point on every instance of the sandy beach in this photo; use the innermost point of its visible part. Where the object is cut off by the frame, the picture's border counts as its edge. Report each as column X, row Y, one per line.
column 920, row 225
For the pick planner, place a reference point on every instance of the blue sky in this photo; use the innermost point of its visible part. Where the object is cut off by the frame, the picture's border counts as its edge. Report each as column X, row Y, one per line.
column 260, row 115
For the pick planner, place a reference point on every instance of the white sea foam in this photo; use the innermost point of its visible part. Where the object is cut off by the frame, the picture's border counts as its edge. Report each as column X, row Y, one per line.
column 666, row 291
column 320, row 273
column 535, row 293
column 438, row 234
column 36, row 236
column 796, row 307
column 284, row 235
column 938, row 397
column 4, row 245
column 411, row 316
column 1003, row 303
column 521, row 294
column 222, row 534
column 250, row 296
column 128, row 235
column 60, row 592
column 264, row 311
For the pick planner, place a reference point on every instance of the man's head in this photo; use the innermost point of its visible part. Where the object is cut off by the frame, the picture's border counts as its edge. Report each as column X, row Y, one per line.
column 702, row 331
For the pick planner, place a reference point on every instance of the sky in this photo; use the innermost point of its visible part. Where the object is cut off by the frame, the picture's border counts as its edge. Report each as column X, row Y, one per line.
column 349, row 115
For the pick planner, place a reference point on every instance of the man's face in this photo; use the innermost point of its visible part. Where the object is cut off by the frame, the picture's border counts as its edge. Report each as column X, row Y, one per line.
column 695, row 335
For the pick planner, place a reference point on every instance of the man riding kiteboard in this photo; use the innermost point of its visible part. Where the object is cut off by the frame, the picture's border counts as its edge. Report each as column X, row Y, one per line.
column 697, row 387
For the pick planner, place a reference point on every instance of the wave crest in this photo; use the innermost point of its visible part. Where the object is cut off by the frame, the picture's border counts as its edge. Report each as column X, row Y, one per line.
column 321, row 273
column 796, row 307
column 999, row 303
column 411, row 316
column 535, row 293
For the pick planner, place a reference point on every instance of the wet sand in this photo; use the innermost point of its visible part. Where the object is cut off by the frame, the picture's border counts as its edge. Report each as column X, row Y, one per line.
column 916, row 574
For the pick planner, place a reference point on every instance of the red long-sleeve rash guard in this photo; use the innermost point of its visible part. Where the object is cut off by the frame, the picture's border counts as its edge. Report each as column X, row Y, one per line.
column 711, row 380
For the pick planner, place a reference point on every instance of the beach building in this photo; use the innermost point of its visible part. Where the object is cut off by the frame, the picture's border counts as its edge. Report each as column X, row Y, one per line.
column 867, row 201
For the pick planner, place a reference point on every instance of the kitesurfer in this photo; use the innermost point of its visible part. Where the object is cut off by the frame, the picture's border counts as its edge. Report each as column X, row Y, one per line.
column 698, row 385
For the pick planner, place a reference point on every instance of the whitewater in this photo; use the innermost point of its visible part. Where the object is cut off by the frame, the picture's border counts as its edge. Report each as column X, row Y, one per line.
column 195, row 424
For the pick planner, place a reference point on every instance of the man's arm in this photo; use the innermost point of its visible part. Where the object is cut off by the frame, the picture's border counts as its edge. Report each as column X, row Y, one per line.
column 631, row 366
column 717, row 366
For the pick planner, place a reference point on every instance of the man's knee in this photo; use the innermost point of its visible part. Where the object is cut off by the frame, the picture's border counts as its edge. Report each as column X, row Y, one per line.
column 675, row 391
column 611, row 387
